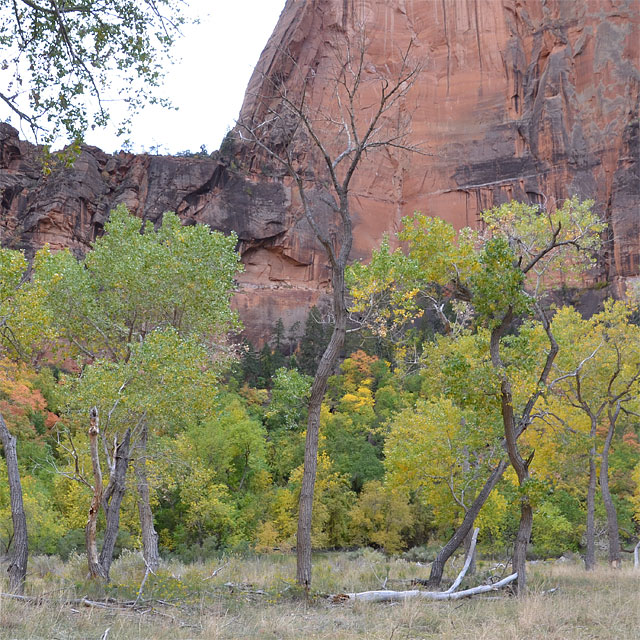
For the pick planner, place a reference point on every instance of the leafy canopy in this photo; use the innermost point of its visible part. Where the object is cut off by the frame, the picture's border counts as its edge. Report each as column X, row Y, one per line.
column 26, row 323
column 504, row 268
column 60, row 59
column 137, row 280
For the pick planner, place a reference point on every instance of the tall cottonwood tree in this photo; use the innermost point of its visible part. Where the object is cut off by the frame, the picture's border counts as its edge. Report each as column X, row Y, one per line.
column 147, row 313
column 333, row 138
column 501, row 273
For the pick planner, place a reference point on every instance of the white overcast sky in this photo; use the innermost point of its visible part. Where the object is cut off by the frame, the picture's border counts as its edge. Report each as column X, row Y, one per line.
column 208, row 83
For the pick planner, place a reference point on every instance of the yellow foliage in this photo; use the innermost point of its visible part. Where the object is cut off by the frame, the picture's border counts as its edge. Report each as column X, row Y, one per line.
column 380, row 517
column 44, row 524
column 492, row 516
column 267, row 537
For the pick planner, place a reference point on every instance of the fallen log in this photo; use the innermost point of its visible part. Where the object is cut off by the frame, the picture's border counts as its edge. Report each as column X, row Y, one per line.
column 395, row 596
column 386, row 595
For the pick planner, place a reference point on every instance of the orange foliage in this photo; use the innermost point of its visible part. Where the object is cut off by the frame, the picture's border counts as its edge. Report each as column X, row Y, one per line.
column 630, row 438
column 51, row 420
column 19, row 399
column 356, row 369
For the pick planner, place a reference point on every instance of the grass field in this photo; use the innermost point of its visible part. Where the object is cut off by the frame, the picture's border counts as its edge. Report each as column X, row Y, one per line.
column 254, row 597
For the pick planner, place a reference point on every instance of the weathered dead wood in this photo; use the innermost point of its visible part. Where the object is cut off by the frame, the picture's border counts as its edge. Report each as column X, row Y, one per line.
column 385, row 595
column 244, row 588
column 148, row 570
column 16, row 596
column 38, row 600
column 636, row 560
column 398, row 596
column 467, row 562
column 95, row 569
column 216, row 572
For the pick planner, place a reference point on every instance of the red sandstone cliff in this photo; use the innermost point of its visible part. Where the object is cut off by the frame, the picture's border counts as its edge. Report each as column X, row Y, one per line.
column 525, row 99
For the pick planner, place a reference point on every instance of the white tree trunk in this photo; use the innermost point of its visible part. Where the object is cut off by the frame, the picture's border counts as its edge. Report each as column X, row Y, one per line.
column 95, row 569
column 467, row 562
column 395, row 596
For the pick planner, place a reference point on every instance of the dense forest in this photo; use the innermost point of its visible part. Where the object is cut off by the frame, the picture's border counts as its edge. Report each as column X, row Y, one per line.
column 142, row 419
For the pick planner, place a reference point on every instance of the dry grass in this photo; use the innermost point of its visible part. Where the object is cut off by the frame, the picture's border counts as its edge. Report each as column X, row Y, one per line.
column 264, row 603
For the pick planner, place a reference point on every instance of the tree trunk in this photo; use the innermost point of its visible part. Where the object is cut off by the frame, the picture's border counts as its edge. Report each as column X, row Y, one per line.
column 437, row 567
column 149, row 535
column 520, row 465
column 590, row 555
column 325, row 368
column 612, row 516
column 519, row 559
column 95, row 569
column 112, row 499
column 18, row 565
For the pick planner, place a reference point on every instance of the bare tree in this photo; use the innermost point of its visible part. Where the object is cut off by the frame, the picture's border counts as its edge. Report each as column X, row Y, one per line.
column 18, row 563
column 338, row 136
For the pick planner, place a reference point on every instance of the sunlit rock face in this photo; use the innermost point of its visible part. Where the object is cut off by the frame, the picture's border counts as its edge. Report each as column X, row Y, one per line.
column 529, row 99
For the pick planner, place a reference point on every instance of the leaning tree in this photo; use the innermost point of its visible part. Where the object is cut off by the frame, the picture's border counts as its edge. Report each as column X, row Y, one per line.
column 502, row 273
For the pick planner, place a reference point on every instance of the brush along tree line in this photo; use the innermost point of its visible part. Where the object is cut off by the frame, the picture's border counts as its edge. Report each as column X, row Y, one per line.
column 156, row 439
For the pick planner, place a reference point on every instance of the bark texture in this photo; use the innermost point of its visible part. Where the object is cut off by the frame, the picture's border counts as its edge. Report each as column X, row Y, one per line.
column 149, row 535
column 590, row 553
column 511, row 434
column 112, row 499
column 612, row 515
column 318, row 389
column 95, row 569
column 20, row 547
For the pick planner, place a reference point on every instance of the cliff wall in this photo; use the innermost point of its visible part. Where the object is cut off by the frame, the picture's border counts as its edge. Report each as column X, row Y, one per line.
column 529, row 99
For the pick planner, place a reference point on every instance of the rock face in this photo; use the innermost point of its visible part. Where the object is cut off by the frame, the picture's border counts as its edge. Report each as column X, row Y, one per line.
column 529, row 99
